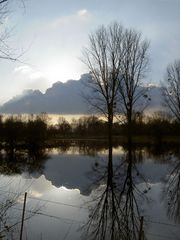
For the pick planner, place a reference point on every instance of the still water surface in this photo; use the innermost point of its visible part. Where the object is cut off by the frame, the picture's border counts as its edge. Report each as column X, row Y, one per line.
column 77, row 192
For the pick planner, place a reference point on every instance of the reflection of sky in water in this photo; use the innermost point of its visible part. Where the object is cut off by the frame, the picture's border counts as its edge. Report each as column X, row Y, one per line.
column 57, row 218
column 67, row 217
column 65, row 189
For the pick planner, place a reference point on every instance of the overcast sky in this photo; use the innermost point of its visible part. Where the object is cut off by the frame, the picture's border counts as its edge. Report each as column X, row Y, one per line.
column 53, row 32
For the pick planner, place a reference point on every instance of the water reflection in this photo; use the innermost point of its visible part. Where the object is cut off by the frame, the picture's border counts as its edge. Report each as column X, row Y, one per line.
column 17, row 162
column 172, row 191
column 115, row 207
column 123, row 184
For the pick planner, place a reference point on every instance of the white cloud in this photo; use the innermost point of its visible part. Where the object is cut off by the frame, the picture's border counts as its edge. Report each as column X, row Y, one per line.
column 82, row 12
column 80, row 16
column 22, row 69
column 28, row 72
column 31, row 78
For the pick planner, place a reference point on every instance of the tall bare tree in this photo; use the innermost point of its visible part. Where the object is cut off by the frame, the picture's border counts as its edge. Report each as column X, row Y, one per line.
column 133, row 68
column 117, row 59
column 171, row 88
column 103, row 58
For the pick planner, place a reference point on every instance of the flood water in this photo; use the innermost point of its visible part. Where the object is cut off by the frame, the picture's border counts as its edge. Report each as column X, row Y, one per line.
column 84, row 192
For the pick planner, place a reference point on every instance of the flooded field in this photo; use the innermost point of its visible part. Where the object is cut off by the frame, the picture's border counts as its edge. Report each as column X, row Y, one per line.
column 91, row 192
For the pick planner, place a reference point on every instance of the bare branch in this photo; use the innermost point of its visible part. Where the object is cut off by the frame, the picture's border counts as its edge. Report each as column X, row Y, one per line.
column 133, row 69
column 171, row 88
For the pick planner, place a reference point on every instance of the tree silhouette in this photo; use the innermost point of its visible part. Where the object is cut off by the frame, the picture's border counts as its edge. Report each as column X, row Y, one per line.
column 133, row 67
column 115, row 210
column 117, row 60
column 103, row 58
column 171, row 89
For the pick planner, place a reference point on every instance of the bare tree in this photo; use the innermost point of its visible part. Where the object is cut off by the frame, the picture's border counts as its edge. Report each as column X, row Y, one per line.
column 103, row 58
column 171, row 88
column 6, row 52
column 117, row 59
column 133, row 68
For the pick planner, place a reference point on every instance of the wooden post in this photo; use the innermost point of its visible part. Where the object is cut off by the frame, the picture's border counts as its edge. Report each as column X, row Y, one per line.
column 143, row 237
column 22, row 221
column 141, row 228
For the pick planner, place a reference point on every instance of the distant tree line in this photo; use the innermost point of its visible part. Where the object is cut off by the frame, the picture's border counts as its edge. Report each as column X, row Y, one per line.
column 157, row 125
column 14, row 132
column 36, row 132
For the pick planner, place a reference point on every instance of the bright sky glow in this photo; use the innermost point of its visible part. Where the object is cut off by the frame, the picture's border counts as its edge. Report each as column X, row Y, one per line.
column 53, row 32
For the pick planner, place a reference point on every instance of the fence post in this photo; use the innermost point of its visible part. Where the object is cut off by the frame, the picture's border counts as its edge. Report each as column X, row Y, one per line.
column 143, row 236
column 141, row 228
column 22, row 221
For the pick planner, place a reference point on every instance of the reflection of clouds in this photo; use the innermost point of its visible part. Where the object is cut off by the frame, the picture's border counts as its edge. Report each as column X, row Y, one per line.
column 39, row 190
column 36, row 188
column 18, row 184
column 20, row 199
column 35, row 194
column 53, row 228
column 67, row 189
column 60, row 168
column 40, row 186
column 68, row 170
column 14, row 184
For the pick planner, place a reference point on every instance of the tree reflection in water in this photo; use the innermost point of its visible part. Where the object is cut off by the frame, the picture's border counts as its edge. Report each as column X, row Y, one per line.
column 172, row 191
column 11, row 163
column 115, row 208
column 20, row 161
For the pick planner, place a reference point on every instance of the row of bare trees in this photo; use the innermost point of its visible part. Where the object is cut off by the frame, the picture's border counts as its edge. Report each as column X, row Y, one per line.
column 118, row 61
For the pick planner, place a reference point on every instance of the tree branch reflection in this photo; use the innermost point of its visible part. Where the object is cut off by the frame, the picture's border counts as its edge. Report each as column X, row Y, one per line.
column 19, row 161
column 172, row 191
column 115, row 208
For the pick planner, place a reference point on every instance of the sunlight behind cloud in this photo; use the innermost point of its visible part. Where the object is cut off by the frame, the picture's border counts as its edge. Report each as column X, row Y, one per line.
column 28, row 71
column 61, row 71
column 54, row 38
column 31, row 78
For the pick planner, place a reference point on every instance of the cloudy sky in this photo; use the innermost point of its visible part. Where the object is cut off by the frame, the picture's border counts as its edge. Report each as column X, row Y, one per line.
column 51, row 35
